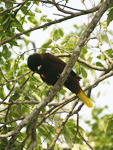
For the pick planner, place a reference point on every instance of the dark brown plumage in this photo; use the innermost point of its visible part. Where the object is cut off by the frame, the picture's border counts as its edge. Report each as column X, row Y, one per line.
column 49, row 67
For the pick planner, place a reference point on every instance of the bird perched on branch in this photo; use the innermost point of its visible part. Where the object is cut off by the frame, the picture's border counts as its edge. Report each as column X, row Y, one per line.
column 49, row 67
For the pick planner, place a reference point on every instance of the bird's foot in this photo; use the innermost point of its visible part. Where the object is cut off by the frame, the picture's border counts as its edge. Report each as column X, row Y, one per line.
column 59, row 76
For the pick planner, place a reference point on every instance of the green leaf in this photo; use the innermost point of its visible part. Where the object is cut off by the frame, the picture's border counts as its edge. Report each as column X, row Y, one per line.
column 15, row 114
column 61, row 32
column 2, row 33
column 8, row 4
column 18, row 91
column 42, row 131
column 39, row 144
column 24, row 10
column 84, row 73
column 2, row 94
column 65, row 40
column 22, row 58
column 52, row 32
column 102, row 57
column 43, row 18
column 84, row 147
column 15, row 97
column 67, row 1
column 57, row 147
column 7, row 64
column 28, row 3
column 13, row 43
column 44, row 28
column 38, row 10
column 26, row 97
column 98, row 94
column 10, row 74
column 9, row 86
column 109, row 52
column 18, row 108
column 88, row 54
column 33, row 20
column 55, row 34
column 36, row 2
column 30, row 13
column 36, row 97
column 51, row 129
column 28, row 127
column 46, row 43
column 110, row 17
column 99, row 64
column 13, row 64
column 6, row 20
column 66, row 134
column 104, row 25
column 97, row 111
column 16, row 94
column 109, row 125
column 93, row 73
column 80, row 147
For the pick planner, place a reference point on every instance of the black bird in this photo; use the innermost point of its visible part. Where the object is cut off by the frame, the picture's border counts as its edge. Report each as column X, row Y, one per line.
column 49, row 67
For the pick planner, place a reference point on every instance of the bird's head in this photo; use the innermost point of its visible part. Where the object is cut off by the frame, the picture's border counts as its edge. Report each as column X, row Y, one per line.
column 34, row 62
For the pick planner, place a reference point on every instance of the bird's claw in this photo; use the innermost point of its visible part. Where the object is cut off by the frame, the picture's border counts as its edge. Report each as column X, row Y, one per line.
column 59, row 76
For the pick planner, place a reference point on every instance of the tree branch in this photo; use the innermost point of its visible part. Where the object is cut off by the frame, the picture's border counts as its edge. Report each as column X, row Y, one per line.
column 13, row 80
column 49, row 24
column 80, row 60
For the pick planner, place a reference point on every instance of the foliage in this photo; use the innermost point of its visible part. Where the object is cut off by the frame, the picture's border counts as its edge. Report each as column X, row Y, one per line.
column 21, row 90
column 101, row 134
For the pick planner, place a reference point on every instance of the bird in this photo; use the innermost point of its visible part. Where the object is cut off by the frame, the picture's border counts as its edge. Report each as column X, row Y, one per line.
column 50, row 67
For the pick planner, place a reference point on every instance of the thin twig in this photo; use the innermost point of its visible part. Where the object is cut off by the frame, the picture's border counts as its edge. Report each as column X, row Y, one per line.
column 13, row 80
column 10, row 91
column 109, row 59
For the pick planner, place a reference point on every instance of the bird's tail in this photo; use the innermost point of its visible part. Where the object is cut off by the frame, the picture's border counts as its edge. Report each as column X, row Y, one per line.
column 84, row 98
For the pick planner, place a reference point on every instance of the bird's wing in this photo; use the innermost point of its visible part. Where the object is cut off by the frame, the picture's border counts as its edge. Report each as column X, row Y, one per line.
column 56, row 60
column 75, row 75
column 59, row 61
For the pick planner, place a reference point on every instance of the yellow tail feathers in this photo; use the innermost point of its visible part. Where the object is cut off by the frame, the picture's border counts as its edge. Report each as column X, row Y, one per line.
column 84, row 98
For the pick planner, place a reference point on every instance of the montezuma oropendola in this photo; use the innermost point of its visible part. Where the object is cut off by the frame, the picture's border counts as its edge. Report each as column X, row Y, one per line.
column 49, row 67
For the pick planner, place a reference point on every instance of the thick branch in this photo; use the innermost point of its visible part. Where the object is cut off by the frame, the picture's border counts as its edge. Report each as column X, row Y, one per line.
column 33, row 133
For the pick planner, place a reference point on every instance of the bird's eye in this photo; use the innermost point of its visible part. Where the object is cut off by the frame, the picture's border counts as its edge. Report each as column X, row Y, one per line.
column 38, row 67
